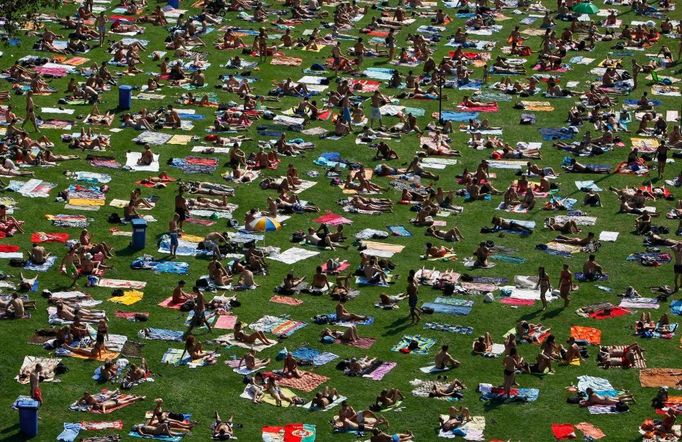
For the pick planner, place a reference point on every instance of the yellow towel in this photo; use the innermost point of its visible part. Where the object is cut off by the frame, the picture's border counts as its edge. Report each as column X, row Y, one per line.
column 86, row 202
column 129, row 297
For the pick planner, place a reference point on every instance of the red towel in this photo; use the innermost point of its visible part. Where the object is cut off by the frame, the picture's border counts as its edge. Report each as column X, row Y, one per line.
column 39, row 237
column 8, row 248
column 492, row 107
column 517, row 301
column 332, row 219
column 563, row 431
column 614, row 313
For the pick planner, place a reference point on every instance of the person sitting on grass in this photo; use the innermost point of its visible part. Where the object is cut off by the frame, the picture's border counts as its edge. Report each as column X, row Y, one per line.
column 483, row 345
column 388, row 398
column 457, row 416
column 443, row 360
column 344, row 315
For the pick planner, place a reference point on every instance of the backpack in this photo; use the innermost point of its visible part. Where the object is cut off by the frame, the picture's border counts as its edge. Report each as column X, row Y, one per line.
column 188, row 306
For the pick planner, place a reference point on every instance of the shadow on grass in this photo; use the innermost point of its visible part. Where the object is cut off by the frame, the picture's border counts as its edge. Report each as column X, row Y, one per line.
column 553, row 313
column 397, row 326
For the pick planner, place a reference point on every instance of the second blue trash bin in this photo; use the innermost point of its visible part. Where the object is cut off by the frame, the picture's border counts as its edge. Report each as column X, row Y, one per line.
column 139, row 233
column 28, row 416
column 125, row 97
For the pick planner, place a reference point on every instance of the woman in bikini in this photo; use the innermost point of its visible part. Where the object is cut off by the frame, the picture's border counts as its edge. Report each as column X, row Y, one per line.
column 251, row 339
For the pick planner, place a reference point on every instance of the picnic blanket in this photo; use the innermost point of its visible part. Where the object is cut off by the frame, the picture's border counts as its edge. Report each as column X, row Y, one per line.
column 660, row 377
column 423, row 344
column 307, row 382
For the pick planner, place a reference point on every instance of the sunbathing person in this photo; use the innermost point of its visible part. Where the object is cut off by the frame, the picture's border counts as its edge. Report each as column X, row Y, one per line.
column 388, row 398
column 380, row 436
column 505, row 224
column 436, row 252
column 108, row 400
column 93, row 351
column 567, row 227
column 160, row 429
column 348, row 336
column 576, row 241
column 253, row 338
column 135, row 374
column 222, row 430
column 362, row 420
column 457, row 416
column 290, row 368
column 483, row 345
column 324, row 398
column 273, row 388
column 443, row 360
column 625, row 358
column 451, row 235
column 344, row 315
column 452, row 389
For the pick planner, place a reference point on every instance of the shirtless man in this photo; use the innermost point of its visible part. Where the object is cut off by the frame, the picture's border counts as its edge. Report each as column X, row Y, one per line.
column 592, row 270
column 565, row 284
column 320, row 280
column 147, row 157
column 15, row 308
column 443, row 360
column 222, row 430
column 380, row 436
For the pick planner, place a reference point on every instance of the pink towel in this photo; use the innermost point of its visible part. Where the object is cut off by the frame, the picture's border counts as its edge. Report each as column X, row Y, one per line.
column 382, row 371
column 226, row 322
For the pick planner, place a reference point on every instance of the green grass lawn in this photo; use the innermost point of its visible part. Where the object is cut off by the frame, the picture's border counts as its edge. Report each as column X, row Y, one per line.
column 204, row 390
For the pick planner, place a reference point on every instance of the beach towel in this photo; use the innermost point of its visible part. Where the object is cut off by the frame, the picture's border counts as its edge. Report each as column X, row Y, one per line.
column 609, row 313
column 44, row 267
column 590, row 430
column 563, row 431
column 399, row 231
column 129, row 297
column 228, row 340
column 293, row 255
column 588, row 334
column 660, row 377
column 161, row 334
column 289, row 433
column 382, row 370
column 137, row 435
column 132, row 159
column 676, row 307
column 608, row 236
column 225, row 322
column 459, row 329
column 639, row 362
column 332, row 219
column 121, row 284
column 313, row 356
column 639, row 303
column 307, row 382
column 489, row 392
column 28, row 365
column 424, row 344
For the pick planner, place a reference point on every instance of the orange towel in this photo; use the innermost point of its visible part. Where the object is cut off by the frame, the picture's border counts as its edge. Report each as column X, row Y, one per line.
column 589, row 334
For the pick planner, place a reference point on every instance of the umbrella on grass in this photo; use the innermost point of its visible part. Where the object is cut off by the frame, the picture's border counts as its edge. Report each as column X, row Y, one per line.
column 585, row 8
column 264, row 224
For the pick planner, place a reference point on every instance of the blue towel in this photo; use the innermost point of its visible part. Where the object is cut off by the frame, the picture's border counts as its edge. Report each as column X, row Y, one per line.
column 49, row 262
column 137, row 435
column 190, row 116
column 368, row 321
column 509, row 258
column 676, row 307
column 549, row 134
column 580, row 276
column 70, row 432
column 314, row 356
column 399, row 231
column 526, row 394
column 448, row 309
column 459, row 116
column 364, row 282
column 178, row 268
column 163, row 334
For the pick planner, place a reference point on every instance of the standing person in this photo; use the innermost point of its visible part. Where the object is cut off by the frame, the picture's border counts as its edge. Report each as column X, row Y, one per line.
column 544, row 285
column 199, row 317
column 34, row 382
column 511, row 363
column 661, row 158
column 565, row 284
column 390, row 44
column 30, row 112
column 677, row 251
column 636, row 69
column 378, row 100
column 101, row 24
column 181, row 208
column 413, row 299
column 173, row 232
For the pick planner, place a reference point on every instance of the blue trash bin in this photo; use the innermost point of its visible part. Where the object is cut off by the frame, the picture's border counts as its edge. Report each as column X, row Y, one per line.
column 125, row 97
column 28, row 416
column 139, row 233
column 175, row 4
